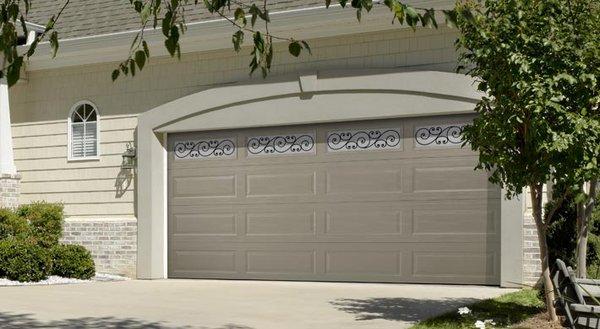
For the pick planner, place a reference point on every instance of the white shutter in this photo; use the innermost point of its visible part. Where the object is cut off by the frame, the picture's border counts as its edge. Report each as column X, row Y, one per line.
column 89, row 139
column 77, row 140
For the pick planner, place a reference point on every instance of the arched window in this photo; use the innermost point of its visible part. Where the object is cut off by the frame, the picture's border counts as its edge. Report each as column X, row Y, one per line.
column 83, row 131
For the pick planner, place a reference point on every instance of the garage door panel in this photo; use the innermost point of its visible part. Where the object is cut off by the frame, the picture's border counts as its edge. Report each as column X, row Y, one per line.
column 203, row 223
column 441, row 179
column 281, row 184
column 220, row 261
column 349, row 262
column 280, row 261
column 217, row 186
column 380, row 262
column 345, row 221
column 286, row 223
column 371, row 212
column 437, row 264
column 480, row 196
column 424, row 221
column 363, row 180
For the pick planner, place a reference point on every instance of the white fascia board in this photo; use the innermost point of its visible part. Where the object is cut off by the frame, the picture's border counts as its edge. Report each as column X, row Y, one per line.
column 305, row 23
column 35, row 27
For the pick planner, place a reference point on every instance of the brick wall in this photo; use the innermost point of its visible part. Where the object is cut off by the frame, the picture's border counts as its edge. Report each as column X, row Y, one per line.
column 10, row 189
column 532, row 266
column 112, row 242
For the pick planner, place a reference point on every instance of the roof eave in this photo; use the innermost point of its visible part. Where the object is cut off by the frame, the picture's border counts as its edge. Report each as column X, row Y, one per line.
column 305, row 23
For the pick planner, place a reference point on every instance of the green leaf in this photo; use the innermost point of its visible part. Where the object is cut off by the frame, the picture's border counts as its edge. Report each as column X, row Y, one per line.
column 145, row 14
column 115, row 75
column 140, row 59
column 451, row 17
column 295, row 48
column 146, row 49
column 307, row 47
column 166, row 24
column 13, row 71
column 240, row 16
column 54, row 43
column 171, row 46
column 238, row 40
column 132, row 67
column 254, row 11
column 412, row 17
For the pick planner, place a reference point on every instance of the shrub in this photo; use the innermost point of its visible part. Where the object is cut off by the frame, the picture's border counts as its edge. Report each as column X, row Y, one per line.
column 72, row 261
column 11, row 225
column 45, row 221
column 23, row 261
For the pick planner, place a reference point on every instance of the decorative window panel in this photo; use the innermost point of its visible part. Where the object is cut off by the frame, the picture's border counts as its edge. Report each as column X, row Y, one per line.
column 204, row 149
column 284, row 144
column 435, row 136
column 364, row 140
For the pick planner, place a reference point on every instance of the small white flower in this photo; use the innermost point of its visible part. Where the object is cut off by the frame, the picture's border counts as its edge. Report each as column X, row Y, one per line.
column 483, row 324
column 464, row 311
column 490, row 322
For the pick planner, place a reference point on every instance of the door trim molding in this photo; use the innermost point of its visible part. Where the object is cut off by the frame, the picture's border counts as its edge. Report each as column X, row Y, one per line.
column 330, row 96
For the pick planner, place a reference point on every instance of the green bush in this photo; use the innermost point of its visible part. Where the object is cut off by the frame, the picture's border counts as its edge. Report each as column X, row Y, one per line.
column 45, row 221
column 12, row 225
column 72, row 261
column 23, row 261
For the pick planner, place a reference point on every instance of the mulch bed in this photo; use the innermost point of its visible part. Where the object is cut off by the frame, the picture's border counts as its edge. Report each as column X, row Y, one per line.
column 539, row 321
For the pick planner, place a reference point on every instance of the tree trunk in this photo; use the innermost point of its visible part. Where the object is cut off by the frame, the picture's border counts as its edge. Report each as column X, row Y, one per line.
column 536, row 198
column 582, row 240
column 585, row 209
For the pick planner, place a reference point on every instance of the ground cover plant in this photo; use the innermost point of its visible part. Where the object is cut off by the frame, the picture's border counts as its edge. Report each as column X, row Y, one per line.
column 504, row 311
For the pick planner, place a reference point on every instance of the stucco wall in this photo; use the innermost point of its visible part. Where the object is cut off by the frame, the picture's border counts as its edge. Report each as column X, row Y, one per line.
column 99, row 189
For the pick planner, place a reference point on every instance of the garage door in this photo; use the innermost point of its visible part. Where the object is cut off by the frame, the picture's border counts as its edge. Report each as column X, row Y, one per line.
column 372, row 201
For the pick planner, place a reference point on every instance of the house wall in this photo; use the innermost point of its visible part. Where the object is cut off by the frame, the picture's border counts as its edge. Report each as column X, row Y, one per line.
column 98, row 188
column 97, row 191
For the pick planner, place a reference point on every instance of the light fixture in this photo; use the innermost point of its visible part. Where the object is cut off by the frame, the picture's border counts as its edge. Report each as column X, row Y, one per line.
column 129, row 157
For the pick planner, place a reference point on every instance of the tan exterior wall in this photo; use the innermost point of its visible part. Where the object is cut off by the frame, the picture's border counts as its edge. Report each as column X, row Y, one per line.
column 98, row 189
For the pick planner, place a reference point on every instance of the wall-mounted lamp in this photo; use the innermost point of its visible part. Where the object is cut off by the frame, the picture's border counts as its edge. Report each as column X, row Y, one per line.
column 129, row 157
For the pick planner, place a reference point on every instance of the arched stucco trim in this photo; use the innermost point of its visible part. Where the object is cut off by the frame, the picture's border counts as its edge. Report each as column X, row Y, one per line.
column 306, row 89
column 310, row 98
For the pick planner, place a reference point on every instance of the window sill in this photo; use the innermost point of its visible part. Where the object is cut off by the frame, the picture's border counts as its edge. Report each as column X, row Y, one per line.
column 86, row 159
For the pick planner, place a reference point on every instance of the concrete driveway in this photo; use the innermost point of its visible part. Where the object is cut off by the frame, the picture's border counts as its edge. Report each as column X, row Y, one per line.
column 212, row 304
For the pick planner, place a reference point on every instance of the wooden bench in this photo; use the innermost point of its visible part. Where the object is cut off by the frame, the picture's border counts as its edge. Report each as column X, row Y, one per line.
column 576, row 299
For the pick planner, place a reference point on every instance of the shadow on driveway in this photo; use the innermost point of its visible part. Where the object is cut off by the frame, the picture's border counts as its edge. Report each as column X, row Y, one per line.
column 399, row 309
column 20, row 321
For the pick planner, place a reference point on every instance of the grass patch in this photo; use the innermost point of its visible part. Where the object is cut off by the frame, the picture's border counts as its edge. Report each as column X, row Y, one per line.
column 505, row 310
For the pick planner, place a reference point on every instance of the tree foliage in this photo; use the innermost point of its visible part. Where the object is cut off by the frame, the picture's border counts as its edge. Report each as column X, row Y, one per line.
column 537, row 61
column 13, row 28
column 250, row 22
column 248, row 18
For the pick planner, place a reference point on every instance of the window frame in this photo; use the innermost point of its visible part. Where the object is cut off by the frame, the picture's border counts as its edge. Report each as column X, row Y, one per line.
column 70, row 157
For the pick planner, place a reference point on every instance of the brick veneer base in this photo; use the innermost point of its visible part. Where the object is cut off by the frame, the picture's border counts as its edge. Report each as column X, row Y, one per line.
column 532, row 266
column 112, row 242
column 10, row 189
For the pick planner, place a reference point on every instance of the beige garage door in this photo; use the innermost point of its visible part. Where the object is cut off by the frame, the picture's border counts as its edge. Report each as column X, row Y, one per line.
column 377, row 201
